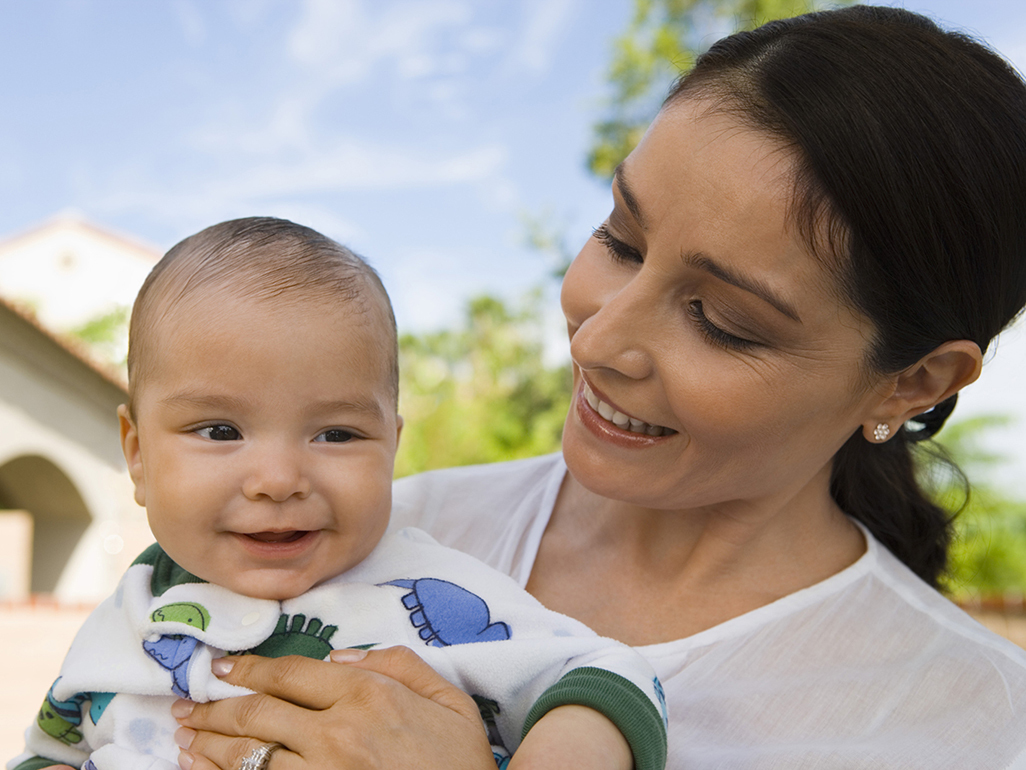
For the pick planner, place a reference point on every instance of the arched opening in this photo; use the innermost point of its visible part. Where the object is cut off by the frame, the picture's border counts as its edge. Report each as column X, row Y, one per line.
column 59, row 515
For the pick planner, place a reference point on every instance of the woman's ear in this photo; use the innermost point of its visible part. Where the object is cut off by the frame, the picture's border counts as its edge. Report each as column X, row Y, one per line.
column 938, row 375
column 133, row 453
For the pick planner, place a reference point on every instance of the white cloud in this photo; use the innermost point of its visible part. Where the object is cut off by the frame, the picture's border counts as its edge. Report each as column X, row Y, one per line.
column 340, row 44
column 343, row 42
column 351, row 165
column 348, row 166
column 191, row 22
column 545, row 24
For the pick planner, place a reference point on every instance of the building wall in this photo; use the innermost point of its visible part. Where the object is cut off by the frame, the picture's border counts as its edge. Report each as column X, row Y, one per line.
column 60, row 460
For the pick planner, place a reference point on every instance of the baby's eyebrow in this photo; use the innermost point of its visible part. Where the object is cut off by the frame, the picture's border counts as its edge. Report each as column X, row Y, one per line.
column 225, row 403
column 211, row 401
column 367, row 406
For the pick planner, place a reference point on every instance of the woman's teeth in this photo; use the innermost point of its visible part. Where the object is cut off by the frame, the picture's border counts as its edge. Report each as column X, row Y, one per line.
column 619, row 419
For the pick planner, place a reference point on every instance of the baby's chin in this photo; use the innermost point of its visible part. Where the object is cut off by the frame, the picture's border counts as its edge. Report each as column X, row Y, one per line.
column 276, row 588
column 267, row 584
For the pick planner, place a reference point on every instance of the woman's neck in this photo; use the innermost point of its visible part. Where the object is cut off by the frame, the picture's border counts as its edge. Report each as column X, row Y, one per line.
column 645, row 576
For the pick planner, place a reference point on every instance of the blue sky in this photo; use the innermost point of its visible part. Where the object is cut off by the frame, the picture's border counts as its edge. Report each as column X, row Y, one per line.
column 419, row 132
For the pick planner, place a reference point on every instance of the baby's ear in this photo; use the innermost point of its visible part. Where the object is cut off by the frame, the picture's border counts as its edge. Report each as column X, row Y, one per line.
column 133, row 453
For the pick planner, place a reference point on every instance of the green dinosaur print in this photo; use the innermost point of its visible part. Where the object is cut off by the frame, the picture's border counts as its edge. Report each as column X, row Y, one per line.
column 297, row 636
column 190, row 614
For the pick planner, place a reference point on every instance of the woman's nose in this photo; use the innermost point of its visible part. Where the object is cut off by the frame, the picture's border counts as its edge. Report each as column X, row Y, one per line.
column 607, row 316
column 276, row 473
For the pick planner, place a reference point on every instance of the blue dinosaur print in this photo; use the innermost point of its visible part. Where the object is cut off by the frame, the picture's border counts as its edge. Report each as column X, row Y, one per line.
column 447, row 614
column 89, row 765
column 661, row 695
column 174, row 652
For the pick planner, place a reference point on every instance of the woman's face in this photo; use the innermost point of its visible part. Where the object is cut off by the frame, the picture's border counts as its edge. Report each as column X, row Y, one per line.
column 714, row 362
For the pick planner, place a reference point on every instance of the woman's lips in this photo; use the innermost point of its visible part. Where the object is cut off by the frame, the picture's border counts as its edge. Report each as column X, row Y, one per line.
column 608, row 431
column 617, row 418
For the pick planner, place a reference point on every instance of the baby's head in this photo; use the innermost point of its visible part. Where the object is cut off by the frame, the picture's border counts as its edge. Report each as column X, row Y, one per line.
column 261, row 427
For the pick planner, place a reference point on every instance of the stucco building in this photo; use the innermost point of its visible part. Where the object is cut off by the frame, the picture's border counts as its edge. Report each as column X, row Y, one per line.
column 68, row 523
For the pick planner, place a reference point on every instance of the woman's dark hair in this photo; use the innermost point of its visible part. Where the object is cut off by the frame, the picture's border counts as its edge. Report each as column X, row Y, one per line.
column 910, row 147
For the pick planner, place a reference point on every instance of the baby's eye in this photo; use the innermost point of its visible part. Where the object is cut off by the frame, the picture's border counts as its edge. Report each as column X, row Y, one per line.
column 220, row 433
column 335, row 436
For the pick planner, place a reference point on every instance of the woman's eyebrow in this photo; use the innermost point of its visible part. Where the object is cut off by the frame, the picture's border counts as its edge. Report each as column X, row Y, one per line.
column 746, row 283
column 619, row 176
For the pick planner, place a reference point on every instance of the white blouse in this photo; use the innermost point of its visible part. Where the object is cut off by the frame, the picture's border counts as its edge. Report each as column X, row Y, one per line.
column 870, row 668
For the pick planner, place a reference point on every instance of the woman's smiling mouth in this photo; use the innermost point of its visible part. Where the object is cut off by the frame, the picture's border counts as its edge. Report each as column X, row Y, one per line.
column 619, row 419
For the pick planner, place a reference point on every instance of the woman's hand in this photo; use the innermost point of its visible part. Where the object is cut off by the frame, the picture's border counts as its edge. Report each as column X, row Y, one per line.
column 382, row 709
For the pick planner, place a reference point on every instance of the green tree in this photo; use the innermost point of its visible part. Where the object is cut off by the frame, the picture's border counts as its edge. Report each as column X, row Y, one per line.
column 988, row 555
column 661, row 41
column 106, row 335
column 480, row 392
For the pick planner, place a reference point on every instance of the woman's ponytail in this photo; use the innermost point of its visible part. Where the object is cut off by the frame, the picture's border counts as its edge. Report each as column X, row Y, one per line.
column 878, row 485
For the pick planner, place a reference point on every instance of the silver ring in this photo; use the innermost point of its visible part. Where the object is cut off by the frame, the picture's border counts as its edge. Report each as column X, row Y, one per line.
column 260, row 757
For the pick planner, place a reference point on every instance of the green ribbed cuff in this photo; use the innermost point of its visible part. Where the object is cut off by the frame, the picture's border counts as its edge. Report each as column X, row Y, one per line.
column 35, row 763
column 616, row 698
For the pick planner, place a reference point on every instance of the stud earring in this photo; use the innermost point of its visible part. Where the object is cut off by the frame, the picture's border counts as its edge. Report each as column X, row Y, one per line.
column 882, row 431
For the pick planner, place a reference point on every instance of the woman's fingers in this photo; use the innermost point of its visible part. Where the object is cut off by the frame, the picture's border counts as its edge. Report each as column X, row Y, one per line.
column 305, row 682
column 261, row 717
column 406, row 667
column 212, row 752
column 381, row 711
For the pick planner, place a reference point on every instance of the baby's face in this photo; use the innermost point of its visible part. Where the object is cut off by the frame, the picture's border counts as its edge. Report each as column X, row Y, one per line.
column 264, row 440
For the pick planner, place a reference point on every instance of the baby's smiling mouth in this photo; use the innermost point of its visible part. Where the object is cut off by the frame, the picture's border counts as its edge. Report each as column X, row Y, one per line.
column 278, row 537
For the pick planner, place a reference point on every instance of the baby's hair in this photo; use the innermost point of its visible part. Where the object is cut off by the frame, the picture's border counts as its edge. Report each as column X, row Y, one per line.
column 261, row 258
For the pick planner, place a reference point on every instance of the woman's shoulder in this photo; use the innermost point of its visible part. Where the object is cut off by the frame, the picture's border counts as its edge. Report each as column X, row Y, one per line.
column 922, row 612
column 873, row 663
column 496, row 512
column 496, row 479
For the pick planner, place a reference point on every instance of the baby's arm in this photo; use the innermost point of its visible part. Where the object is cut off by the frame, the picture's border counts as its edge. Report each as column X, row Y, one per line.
column 573, row 736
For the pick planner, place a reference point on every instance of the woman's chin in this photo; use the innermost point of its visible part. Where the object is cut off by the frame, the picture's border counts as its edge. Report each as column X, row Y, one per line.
column 611, row 471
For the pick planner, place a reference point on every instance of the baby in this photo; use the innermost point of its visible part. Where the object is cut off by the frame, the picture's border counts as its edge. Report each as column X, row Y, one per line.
column 260, row 434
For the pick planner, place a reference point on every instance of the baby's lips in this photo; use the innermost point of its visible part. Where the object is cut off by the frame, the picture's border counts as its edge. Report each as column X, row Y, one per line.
column 277, row 537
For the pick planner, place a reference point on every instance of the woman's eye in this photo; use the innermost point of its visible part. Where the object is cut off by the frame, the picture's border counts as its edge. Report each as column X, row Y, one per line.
column 715, row 333
column 335, row 436
column 619, row 250
column 220, row 433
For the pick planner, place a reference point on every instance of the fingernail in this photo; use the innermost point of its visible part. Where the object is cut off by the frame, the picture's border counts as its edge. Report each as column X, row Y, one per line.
column 184, row 737
column 222, row 667
column 185, row 760
column 347, row 656
column 182, row 708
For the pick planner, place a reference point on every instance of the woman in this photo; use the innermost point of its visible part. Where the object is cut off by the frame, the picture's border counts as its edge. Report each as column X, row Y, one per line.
column 812, row 246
